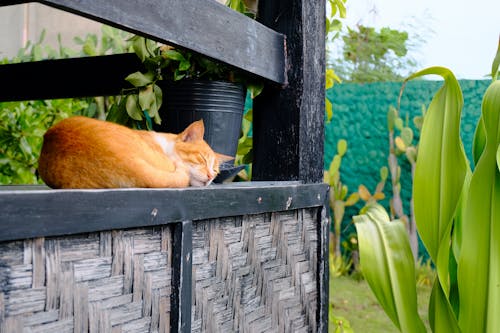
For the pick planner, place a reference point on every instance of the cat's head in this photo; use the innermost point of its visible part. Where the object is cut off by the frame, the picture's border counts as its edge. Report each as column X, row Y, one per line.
column 202, row 161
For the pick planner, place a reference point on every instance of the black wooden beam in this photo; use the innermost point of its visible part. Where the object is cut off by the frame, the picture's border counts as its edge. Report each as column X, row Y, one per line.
column 206, row 27
column 181, row 298
column 66, row 78
column 288, row 123
column 11, row 2
column 43, row 213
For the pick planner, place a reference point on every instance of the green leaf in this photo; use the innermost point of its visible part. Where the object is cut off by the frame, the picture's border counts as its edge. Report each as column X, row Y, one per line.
column 418, row 122
column 335, row 164
column 158, row 101
column 479, row 141
column 388, row 267
column 173, row 55
column 441, row 316
column 255, row 88
column 341, row 147
column 352, row 199
column 37, row 52
column 407, row 136
column 496, row 63
column 249, row 115
column 498, row 157
column 331, row 78
column 478, row 265
column 132, row 109
column 392, row 114
column 25, row 146
column 139, row 79
column 328, row 109
column 398, row 123
column 89, row 47
column 146, row 97
column 440, row 170
column 139, row 47
column 384, row 173
column 184, row 65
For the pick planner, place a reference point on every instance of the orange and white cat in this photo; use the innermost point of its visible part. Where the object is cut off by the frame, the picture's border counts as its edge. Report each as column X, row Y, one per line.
column 81, row 152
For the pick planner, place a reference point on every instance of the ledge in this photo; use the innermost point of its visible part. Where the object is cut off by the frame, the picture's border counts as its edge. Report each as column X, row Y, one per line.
column 29, row 212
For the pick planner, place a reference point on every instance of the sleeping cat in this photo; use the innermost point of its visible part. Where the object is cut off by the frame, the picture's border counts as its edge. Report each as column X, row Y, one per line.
column 81, row 152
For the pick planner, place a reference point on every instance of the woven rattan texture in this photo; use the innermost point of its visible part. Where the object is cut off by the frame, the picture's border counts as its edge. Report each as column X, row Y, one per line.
column 116, row 281
column 256, row 273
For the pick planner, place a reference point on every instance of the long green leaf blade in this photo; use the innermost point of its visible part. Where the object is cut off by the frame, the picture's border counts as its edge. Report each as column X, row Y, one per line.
column 496, row 63
column 441, row 316
column 479, row 141
column 440, row 171
column 498, row 157
column 479, row 262
column 387, row 264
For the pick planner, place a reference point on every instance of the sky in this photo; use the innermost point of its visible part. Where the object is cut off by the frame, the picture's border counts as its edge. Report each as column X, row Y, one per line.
column 460, row 35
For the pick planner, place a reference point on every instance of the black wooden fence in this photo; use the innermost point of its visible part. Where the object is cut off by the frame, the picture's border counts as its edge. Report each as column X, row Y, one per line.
column 284, row 46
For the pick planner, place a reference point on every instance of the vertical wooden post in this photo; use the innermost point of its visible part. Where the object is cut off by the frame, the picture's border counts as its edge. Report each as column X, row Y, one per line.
column 181, row 298
column 289, row 120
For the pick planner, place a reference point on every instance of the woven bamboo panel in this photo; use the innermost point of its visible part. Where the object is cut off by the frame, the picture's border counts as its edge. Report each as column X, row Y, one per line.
column 117, row 281
column 256, row 273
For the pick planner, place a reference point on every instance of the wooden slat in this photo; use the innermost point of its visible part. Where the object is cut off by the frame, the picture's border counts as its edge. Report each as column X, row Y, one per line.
column 204, row 26
column 182, row 277
column 27, row 214
column 288, row 123
column 66, row 78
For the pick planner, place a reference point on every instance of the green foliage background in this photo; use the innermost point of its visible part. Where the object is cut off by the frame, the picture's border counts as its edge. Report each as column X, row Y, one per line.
column 22, row 124
column 360, row 117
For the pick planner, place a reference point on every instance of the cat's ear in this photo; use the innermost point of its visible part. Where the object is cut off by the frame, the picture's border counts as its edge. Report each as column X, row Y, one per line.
column 193, row 132
column 223, row 158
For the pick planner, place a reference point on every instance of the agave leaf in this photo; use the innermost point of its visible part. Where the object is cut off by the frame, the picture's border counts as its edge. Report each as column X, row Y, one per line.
column 387, row 264
column 479, row 265
column 440, row 170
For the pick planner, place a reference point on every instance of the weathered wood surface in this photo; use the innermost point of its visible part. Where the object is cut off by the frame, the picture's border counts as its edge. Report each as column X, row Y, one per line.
column 206, row 27
column 288, row 121
column 27, row 214
column 68, row 78
column 116, row 281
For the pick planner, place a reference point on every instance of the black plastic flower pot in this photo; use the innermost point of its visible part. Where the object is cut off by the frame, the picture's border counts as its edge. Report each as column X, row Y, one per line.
column 220, row 104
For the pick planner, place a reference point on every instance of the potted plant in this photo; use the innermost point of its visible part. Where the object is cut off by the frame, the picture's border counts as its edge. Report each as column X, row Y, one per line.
column 178, row 87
